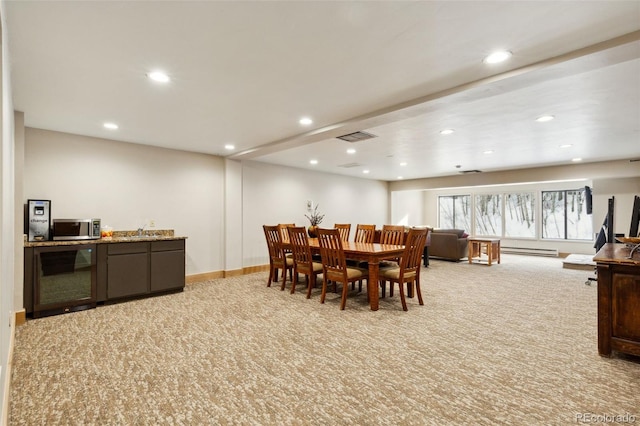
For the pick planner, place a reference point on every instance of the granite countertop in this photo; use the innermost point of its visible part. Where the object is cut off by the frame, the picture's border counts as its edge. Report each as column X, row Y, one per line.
column 118, row 237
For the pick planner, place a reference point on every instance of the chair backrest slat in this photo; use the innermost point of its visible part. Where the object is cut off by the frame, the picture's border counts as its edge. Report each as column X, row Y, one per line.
column 344, row 229
column 365, row 233
column 283, row 230
column 392, row 234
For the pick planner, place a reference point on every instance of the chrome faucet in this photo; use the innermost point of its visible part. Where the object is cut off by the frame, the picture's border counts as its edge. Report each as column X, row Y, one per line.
column 140, row 231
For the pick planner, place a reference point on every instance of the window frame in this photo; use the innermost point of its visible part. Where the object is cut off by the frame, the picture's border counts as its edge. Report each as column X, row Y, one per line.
column 565, row 193
column 534, row 217
column 454, row 198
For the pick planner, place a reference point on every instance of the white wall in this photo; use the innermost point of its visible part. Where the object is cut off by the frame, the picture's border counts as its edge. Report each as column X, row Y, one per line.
column 573, row 171
column 7, row 219
column 18, row 209
column 276, row 194
column 126, row 185
column 233, row 216
column 408, row 208
column 219, row 205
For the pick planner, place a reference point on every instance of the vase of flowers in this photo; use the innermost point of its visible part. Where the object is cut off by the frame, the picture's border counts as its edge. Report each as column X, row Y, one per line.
column 315, row 218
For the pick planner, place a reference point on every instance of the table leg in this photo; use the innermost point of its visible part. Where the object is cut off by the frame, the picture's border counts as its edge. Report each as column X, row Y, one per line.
column 373, row 285
column 498, row 248
column 490, row 252
column 470, row 248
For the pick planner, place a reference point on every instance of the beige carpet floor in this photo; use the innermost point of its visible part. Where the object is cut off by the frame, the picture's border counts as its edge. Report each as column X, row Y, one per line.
column 514, row 343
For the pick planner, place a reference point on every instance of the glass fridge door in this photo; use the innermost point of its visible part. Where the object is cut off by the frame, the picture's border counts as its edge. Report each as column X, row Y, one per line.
column 65, row 279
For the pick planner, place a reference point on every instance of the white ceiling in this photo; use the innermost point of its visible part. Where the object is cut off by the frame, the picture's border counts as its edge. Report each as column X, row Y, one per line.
column 245, row 72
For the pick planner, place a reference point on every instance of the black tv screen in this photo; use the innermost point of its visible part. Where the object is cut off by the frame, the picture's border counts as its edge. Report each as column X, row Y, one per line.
column 635, row 217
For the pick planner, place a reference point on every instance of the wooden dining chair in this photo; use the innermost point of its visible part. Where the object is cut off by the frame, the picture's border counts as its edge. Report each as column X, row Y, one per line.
column 365, row 233
column 283, row 231
column 345, row 229
column 390, row 234
column 302, row 259
column 277, row 257
column 285, row 237
column 334, row 264
column 409, row 270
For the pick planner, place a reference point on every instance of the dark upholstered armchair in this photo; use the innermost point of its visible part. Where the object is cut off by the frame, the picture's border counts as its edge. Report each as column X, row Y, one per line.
column 450, row 244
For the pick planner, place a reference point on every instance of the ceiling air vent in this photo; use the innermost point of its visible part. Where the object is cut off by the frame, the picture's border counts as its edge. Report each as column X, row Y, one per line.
column 356, row 136
column 349, row 165
column 469, row 172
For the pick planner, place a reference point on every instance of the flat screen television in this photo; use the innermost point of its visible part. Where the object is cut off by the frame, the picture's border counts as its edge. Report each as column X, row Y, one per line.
column 610, row 220
column 635, row 218
column 589, row 198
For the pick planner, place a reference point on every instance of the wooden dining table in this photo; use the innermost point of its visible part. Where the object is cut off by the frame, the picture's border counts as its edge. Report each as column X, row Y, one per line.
column 373, row 254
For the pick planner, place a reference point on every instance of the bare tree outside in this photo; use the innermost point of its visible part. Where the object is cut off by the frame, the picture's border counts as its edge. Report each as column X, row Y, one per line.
column 553, row 225
column 513, row 215
column 564, row 215
column 454, row 212
column 519, row 215
column 489, row 215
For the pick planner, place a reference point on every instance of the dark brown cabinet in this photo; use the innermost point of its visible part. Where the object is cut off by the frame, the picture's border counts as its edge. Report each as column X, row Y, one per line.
column 618, row 300
column 127, row 270
column 139, row 268
column 167, row 265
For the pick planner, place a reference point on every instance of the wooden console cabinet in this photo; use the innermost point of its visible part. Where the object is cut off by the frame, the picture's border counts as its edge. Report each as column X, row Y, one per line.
column 618, row 300
column 140, row 268
column 113, row 269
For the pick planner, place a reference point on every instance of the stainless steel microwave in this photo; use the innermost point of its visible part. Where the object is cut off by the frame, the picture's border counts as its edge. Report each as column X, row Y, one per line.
column 76, row 229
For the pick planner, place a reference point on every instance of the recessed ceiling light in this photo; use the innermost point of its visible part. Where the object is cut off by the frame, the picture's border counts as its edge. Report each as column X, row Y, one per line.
column 110, row 126
column 158, row 76
column 400, row 177
column 497, row 56
column 305, row 121
column 403, row 164
column 314, row 162
column 488, row 152
column 544, row 118
column 446, row 131
column 575, row 160
column 229, row 147
column 351, row 151
column 365, row 171
column 566, row 145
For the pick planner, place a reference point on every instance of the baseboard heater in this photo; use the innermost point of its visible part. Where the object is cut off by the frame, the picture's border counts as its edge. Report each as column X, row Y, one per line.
column 530, row 251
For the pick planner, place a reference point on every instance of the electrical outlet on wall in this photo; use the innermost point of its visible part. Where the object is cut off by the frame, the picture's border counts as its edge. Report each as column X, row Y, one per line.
column 309, row 205
column 152, row 223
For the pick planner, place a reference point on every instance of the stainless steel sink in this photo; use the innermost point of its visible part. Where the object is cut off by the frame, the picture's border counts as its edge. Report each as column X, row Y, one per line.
column 136, row 237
